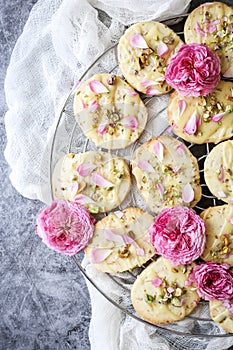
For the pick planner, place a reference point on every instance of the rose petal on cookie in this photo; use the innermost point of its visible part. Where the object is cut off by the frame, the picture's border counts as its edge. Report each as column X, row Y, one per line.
column 229, row 72
column 152, row 92
column 199, row 30
column 218, row 117
column 98, row 255
column 109, row 235
column 230, row 28
column 192, row 124
column 137, row 40
column 131, row 92
column 100, row 181
column 74, row 187
column 181, row 150
column 84, row 106
column 146, row 83
column 146, row 166
column 118, row 213
column 129, row 122
column 158, row 149
column 182, row 106
column 102, row 128
column 84, row 169
column 222, row 194
column 211, row 27
column 97, row 87
column 83, row 199
column 162, row 49
column 94, row 106
column 170, row 290
column 160, row 189
column 221, row 173
column 130, row 240
column 231, row 220
column 156, row 281
column 188, row 193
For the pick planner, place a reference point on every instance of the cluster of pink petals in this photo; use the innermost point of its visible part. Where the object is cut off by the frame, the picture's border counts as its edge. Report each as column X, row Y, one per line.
column 194, row 70
column 178, row 234
column 213, row 281
column 65, row 227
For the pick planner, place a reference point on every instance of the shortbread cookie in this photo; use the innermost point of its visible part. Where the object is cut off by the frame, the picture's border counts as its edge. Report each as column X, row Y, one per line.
column 167, row 174
column 219, row 234
column 203, row 119
column 109, row 111
column 212, row 24
column 162, row 294
column 218, row 171
column 98, row 180
column 221, row 315
column 144, row 51
column 121, row 241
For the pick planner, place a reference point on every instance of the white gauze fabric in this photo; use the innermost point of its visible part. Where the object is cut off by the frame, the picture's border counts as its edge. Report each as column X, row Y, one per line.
column 60, row 40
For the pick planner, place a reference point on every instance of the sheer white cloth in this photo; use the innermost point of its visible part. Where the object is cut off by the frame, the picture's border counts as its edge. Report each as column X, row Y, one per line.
column 60, row 40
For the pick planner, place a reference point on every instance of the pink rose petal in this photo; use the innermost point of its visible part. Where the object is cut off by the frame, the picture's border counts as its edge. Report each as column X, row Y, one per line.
column 84, row 105
column 137, row 40
column 146, row 83
column 94, row 106
column 230, row 28
column 176, row 169
column 84, row 169
column 129, row 240
column 131, row 92
column 222, row 194
column 74, row 187
column 221, row 173
column 182, row 106
column 218, row 117
column 160, row 189
column 97, row 87
column 187, row 283
column 158, row 149
column 109, row 235
column 156, row 281
column 211, row 27
column 192, row 124
column 231, row 220
column 102, row 128
column 170, row 290
column 98, row 255
column 229, row 72
column 181, row 150
column 82, row 199
column 146, row 166
column 188, row 193
column 129, row 122
column 199, row 30
column 118, row 213
column 162, row 49
column 100, row 181
column 152, row 92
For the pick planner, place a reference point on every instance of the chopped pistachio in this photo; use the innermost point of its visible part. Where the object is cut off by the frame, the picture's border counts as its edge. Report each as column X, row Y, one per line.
column 94, row 209
column 176, row 302
column 149, row 298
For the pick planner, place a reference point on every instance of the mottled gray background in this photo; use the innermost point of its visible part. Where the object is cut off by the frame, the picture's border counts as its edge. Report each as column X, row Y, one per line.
column 44, row 301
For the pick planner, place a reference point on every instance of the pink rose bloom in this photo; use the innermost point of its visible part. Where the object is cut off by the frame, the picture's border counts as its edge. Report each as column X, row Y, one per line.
column 213, row 281
column 194, row 70
column 65, row 227
column 178, row 234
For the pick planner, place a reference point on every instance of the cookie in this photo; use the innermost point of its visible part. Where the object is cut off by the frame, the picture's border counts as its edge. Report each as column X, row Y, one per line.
column 212, row 24
column 144, row 51
column 109, row 111
column 121, row 241
column 167, row 174
column 221, row 315
column 218, row 171
column 203, row 119
column 160, row 293
column 219, row 234
column 98, row 180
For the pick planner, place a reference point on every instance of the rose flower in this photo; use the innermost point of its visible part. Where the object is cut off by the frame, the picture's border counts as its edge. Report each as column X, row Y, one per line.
column 178, row 234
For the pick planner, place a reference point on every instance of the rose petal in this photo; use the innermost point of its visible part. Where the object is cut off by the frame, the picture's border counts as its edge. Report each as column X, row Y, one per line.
column 221, row 173
column 199, row 30
column 170, row 290
column 94, row 106
column 218, row 117
column 229, row 72
column 102, row 128
column 100, row 180
column 156, row 281
column 146, row 83
column 152, row 92
column 181, row 150
column 211, row 27
column 83, row 199
column 158, row 149
column 109, row 235
column 137, row 40
column 97, row 87
column 74, row 187
column 84, row 105
column 84, row 169
column 222, row 194
column 188, row 193
column 191, row 125
column 98, row 255
column 230, row 28
column 146, row 166
column 129, row 122
column 118, row 213
column 130, row 240
column 162, row 49
column 160, row 189
column 131, row 92
column 182, row 106
column 231, row 220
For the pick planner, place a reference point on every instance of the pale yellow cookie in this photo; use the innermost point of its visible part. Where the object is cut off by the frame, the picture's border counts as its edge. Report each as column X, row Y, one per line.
column 121, row 241
column 218, row 171
column 203, row 119
column 109, row 111
column 219, row 234
column 212, row 24
column 144, row 51
column 221, row 315
column 160, row 294
column 167, row 174
column 98, row 180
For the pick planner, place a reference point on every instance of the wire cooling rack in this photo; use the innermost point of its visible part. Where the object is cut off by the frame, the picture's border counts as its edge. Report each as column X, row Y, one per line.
column 68, row 137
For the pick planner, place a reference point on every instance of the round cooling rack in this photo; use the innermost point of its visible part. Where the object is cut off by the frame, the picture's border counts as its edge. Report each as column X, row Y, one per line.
column 68, row 138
